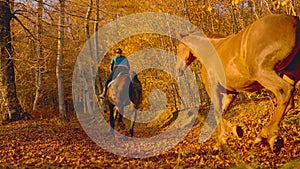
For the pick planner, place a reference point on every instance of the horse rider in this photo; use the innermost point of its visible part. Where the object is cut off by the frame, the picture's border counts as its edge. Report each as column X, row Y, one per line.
column 118, row 64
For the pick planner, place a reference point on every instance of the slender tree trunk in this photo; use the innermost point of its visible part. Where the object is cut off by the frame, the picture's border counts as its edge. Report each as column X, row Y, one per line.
column 11, row 108
column 234, row 19
column 98, row 81
column 96, row 28
column 39, row 53
column 186, row 11
column 59, row 74
column 252, row 11
column 90, row 52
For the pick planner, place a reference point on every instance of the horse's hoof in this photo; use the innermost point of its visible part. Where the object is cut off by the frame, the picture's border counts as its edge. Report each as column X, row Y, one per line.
column 131, row 133
column 276, row 143
column 238, row 131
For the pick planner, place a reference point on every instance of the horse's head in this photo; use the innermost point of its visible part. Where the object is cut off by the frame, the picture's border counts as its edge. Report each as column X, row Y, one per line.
column 185, row 58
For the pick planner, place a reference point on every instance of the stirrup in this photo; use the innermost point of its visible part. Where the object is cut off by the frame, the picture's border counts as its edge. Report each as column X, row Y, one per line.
column 102, row 96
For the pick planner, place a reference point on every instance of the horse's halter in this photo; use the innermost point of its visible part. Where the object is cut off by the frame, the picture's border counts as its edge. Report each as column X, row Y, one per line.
column 189, row 60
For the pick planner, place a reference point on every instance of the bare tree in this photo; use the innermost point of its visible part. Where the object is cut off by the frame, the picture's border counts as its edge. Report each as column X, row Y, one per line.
column 96, row 27
column 39, row 53
column 59, row 74
column 10, row 107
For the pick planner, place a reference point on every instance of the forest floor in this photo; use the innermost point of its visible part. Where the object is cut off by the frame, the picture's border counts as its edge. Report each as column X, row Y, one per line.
column 48, row 142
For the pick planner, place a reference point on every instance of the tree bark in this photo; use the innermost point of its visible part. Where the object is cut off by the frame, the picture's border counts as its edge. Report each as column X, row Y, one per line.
column 98, row 80
column 39, row 54
column 11, row 109
column 59, row 74
column 91, row 54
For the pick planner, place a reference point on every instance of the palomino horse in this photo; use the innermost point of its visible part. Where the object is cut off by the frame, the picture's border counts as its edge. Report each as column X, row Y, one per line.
column 123, row 91
column 253, row 59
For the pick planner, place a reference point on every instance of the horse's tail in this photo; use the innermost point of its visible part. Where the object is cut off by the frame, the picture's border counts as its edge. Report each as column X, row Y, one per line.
column 135, row 89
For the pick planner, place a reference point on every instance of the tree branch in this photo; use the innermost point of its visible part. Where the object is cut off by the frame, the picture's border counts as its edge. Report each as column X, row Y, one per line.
column 24, row 27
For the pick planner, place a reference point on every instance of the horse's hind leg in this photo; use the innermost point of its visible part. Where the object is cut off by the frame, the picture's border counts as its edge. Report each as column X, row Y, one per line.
column 111, row 117
column 120, row 117
column 133, row 119
column 283, row 93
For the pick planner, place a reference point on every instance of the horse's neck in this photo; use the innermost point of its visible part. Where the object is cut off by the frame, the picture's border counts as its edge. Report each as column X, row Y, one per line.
column 215, row 39
column 218, row 41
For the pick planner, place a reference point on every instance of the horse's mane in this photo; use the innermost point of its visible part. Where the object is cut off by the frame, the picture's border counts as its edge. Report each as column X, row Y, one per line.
column 214, row 35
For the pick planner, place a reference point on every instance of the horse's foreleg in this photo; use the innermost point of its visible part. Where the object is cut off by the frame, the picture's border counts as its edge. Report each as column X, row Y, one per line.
column 234, row 129
column 224, row 125
column 221, row 103
column 283, row 93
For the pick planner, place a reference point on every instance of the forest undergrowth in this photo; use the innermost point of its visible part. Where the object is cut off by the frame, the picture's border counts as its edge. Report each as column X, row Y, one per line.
column 49, row 142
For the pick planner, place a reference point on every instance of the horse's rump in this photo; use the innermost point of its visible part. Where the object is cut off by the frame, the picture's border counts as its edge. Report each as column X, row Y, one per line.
column 117, row 92
column 123, row 90
column 290, row 66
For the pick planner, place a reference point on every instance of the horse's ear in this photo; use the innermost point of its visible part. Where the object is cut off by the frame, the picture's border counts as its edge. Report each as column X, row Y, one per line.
column 181, row 35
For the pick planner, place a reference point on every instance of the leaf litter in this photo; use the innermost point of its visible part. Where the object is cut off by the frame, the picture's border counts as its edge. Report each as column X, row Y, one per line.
column 53, row 143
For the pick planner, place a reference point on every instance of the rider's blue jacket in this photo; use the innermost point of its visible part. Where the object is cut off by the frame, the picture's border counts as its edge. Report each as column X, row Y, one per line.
column 119, row 61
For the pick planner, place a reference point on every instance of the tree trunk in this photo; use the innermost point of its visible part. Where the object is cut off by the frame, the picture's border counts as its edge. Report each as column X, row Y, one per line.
column 11, row 109
column 39, row 54
column 98, row 80
column 90, row 52
column 59, row 74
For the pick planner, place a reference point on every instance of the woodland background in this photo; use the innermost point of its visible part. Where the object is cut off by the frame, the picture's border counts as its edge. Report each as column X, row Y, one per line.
column 35, row 54
column 47, row 37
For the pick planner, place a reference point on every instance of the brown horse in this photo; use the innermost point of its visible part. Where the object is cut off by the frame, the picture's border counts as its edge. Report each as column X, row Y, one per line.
column 123, row 91
column 255, row 58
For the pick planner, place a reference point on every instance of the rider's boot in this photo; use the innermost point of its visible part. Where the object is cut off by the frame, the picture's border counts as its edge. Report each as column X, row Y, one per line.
column 102, row 96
